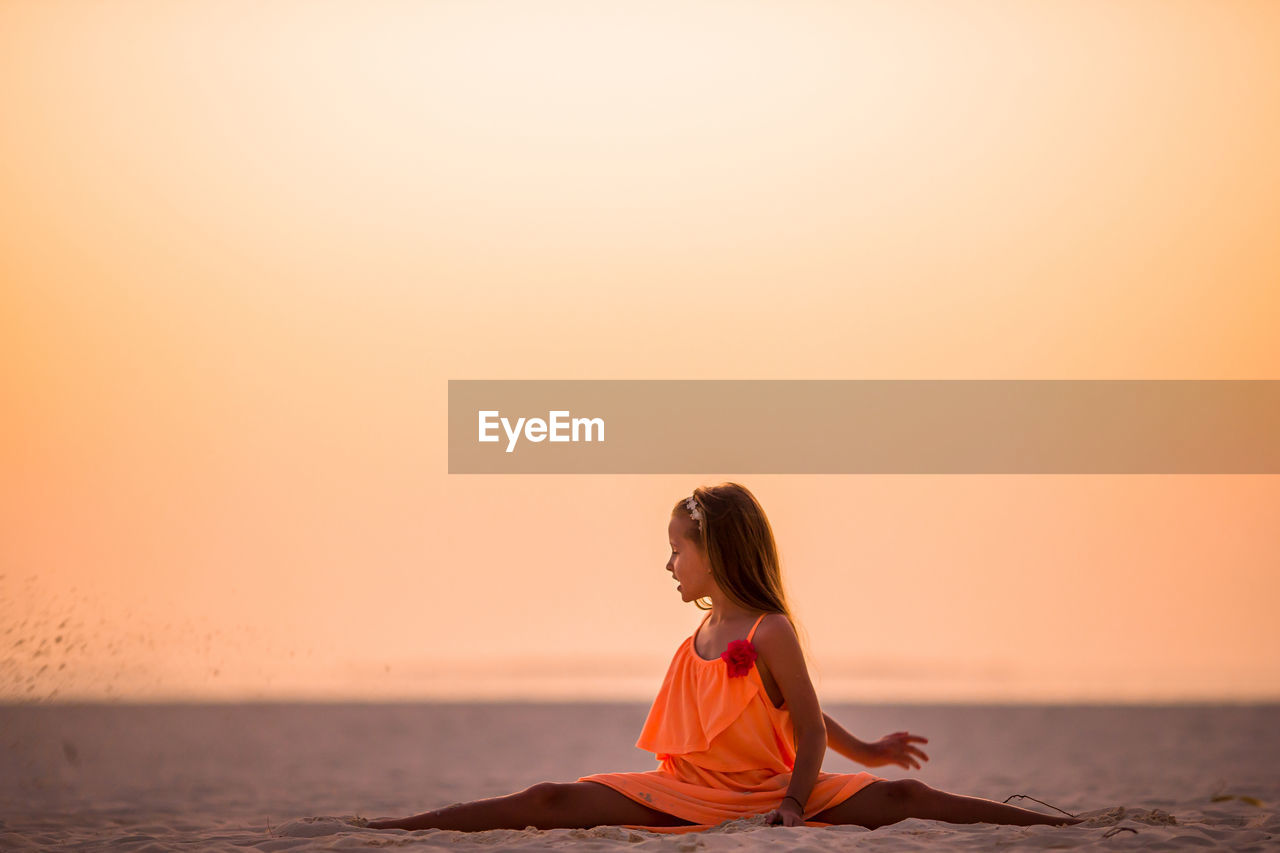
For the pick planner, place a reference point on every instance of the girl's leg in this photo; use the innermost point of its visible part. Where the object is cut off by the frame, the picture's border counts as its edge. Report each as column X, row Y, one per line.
column 546, row 805
column 882, row 803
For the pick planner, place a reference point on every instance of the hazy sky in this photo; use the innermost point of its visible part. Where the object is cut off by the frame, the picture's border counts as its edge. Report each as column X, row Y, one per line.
column 244, row 247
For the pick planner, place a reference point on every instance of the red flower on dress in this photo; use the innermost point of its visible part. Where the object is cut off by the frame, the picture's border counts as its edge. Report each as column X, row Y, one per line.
column 739, row 656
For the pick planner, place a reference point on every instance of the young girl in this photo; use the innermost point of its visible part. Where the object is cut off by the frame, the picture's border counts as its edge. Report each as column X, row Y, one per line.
column 736, row 725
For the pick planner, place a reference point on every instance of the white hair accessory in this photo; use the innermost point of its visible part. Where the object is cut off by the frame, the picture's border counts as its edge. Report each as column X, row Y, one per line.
column 694, row 510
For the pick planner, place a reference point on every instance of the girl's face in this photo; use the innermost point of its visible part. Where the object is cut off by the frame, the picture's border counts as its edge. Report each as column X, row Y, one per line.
column 688, row 565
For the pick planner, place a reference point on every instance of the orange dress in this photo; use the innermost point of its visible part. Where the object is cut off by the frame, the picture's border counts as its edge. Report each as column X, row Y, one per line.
column 724, row 750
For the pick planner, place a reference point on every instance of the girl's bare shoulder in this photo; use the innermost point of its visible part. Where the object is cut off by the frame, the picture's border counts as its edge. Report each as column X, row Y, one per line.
column 776, row 632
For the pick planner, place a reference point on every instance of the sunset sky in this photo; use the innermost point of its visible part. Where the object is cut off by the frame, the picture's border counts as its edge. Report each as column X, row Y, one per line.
column 244, row 247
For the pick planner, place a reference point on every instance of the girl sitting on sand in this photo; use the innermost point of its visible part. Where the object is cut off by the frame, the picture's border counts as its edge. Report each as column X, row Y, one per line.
column 736, row 725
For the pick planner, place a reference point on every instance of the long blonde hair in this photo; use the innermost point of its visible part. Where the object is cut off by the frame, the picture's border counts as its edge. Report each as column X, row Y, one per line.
column 737, row 539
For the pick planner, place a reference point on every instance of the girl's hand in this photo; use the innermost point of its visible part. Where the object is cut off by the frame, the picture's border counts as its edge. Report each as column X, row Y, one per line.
column 896, row 749
column 787, row 814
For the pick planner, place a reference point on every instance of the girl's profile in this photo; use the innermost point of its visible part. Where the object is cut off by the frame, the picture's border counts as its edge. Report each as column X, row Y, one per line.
column 736, row 725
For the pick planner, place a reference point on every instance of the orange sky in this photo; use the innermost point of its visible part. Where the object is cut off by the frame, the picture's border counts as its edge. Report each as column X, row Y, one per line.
column 243, row 250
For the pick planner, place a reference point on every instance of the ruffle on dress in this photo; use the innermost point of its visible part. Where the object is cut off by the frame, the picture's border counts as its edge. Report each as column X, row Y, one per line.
column 692, row 709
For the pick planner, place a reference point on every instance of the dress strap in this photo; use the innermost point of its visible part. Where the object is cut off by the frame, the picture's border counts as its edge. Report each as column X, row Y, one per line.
column 757, row 625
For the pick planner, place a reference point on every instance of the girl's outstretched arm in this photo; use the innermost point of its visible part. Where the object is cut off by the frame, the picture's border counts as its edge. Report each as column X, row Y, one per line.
column 842, row 741
column 779, row 649
column 895, row 748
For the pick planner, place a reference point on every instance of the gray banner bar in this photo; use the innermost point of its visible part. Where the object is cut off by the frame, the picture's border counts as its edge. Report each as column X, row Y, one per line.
column 823, row 426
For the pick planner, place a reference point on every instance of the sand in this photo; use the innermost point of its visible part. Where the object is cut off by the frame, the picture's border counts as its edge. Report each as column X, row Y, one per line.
column 303, row 777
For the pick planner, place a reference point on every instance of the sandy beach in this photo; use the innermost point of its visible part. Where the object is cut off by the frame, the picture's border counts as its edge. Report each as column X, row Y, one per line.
column 301, row 777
